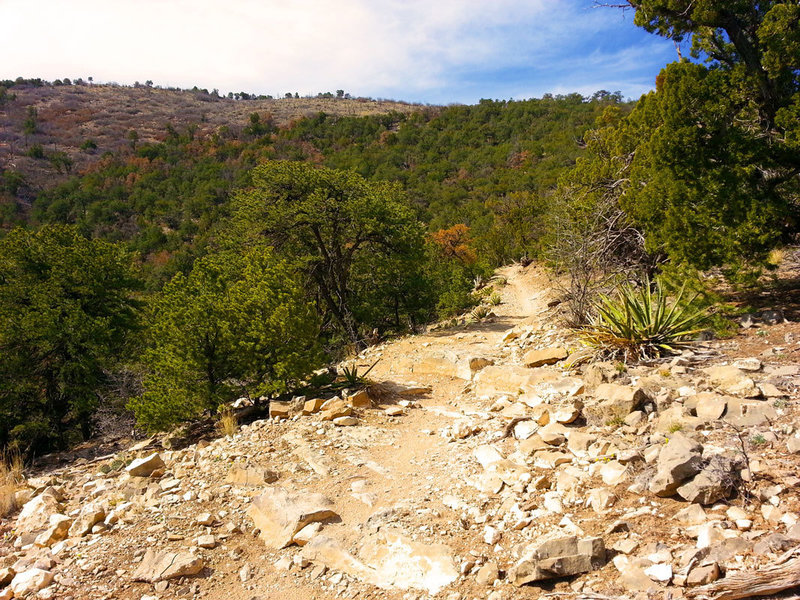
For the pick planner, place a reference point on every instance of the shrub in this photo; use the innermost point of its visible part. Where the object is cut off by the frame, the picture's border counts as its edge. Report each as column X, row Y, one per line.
column 36, row 151
column 479, row 313
column 238, row 323
column 227, row 423
column 639, row 323
column 10, row 478
column 67, row 313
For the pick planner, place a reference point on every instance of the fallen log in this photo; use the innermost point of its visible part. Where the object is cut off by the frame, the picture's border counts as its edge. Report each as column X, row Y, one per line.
column 770, row 580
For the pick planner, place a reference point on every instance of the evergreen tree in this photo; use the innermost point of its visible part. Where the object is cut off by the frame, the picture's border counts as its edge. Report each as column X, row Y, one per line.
column 344, row 232
column 236, row 325
column 67, row 311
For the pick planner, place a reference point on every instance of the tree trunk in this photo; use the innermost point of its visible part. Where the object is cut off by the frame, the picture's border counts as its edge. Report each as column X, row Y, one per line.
column 770, row 580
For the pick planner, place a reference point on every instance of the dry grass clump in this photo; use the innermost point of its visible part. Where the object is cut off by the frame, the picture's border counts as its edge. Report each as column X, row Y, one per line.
column 11, row 467
column 227, row 424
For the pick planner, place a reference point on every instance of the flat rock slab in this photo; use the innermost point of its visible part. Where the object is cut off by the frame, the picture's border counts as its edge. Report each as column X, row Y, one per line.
column 388, row 560
column 507, row 379
column 403, row 563
column 749, row 413
column 560, row 557
column 280, row 514
column 546, row 356
column 250, row 476
column 160, row 566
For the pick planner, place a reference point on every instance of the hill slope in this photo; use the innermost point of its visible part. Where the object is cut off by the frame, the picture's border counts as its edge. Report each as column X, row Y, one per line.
column 70, row 115
column 451, row 478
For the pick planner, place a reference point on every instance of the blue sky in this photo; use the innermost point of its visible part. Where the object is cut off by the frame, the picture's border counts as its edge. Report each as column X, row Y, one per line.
column 430, row 51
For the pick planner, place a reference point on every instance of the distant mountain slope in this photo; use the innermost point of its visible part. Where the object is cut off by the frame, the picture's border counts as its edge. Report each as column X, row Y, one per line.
column 71, row 116
column 156, row 168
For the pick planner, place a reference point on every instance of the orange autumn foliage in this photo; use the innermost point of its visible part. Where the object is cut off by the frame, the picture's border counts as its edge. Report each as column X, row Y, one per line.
column 455, row 243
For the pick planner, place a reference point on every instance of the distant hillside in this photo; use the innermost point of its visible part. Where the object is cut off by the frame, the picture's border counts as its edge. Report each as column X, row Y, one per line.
column 155, row 168
column 85, row 121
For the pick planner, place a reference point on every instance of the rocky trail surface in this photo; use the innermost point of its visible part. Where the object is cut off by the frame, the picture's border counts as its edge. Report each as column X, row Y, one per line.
column 488, row 463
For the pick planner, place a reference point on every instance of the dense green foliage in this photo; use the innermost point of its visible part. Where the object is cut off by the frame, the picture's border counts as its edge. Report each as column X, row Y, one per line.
column 66, row 314
column 706, row 167
column 489, row 166
column 358, row 243
column 238, row 324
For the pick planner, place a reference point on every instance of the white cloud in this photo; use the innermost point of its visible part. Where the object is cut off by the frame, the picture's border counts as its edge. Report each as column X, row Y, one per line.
column 411, row 49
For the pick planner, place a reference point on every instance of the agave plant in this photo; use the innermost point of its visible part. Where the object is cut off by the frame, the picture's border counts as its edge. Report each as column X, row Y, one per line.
column 479, row 313
column 352, row 378
column 642, row 323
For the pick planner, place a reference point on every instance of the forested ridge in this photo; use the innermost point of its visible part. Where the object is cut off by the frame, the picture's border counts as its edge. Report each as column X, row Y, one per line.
column 478, row 165
column 358, row 226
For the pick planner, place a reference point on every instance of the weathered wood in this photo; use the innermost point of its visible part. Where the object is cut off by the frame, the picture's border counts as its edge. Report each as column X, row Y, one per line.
column 747, row 584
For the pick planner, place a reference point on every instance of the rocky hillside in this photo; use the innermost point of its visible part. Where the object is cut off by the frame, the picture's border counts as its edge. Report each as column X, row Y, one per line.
column 488, row 463
column 86, row 121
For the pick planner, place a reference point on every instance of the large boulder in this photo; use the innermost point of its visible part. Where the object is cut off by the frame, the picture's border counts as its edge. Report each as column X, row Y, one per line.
column 749, row 413
column 30, row 581
column 144, row 467
column 559, row 557
column 360, row 399
column 280, row 514
column 715, row 482
column 613, row 403
column 90, row 515
column 160, row 566
column 335, row 408
column 679, row 460
column 708, row 405
column 35, row 515
column 280, row 409
column 58, row 530
column 733, row 381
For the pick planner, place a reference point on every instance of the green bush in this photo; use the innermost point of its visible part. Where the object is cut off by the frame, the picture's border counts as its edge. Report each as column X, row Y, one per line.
column 638, row 323
column 66, row 315
column 238, row 324
column 36, row 151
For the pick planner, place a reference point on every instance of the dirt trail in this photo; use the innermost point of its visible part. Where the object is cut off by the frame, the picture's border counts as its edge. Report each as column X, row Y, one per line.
column 414, row 474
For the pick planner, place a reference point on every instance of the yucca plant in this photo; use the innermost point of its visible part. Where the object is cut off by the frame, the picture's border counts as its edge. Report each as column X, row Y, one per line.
column 352, row 378
column 479, row 313
column 642, row 323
